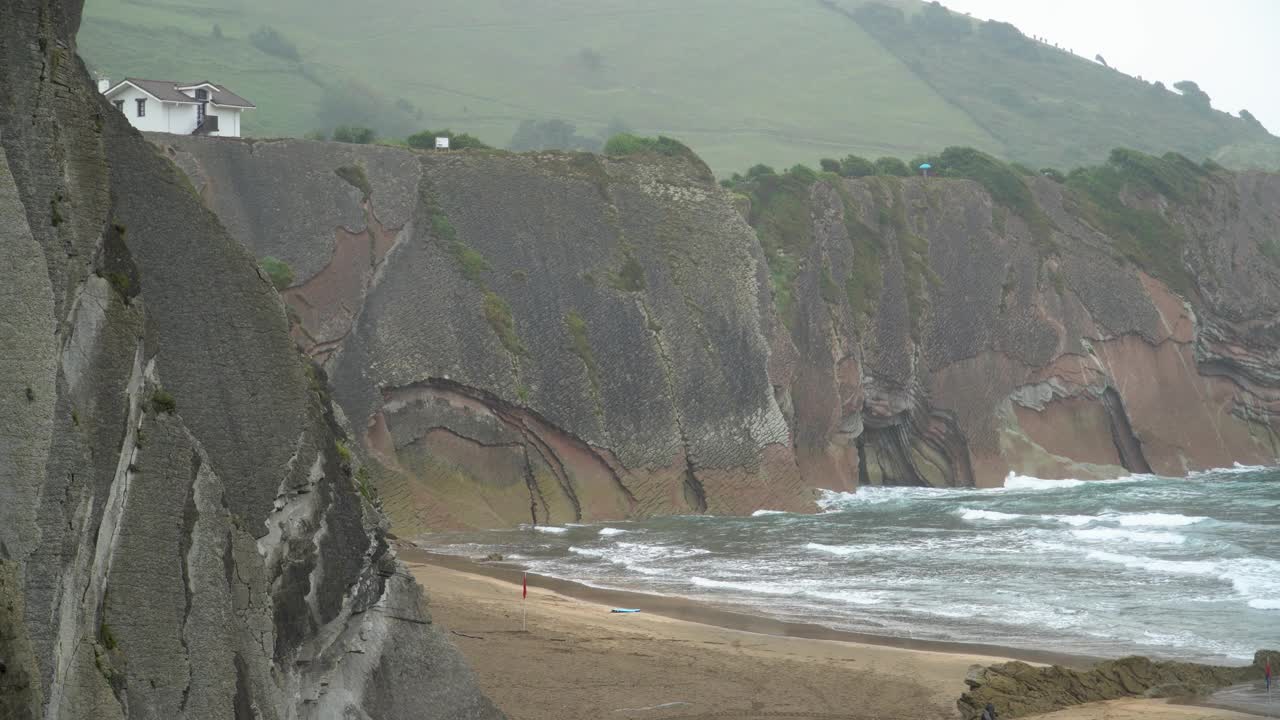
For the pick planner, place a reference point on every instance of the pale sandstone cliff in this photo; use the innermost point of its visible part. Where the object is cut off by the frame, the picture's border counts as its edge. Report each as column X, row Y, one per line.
column 180, row 534
column 563, row 337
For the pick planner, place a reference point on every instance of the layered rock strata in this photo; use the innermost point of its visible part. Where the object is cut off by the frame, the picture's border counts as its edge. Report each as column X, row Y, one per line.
column 556, row 338
column 181, row 534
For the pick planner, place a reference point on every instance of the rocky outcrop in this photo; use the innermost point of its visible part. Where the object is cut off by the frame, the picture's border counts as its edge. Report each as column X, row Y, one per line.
column 181, row 534
column 561, row 337
column 1017, row 689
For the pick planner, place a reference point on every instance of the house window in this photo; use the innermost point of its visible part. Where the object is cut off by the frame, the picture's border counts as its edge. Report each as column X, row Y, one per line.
column 142, row 107
column 202, row 94
column 120, row 106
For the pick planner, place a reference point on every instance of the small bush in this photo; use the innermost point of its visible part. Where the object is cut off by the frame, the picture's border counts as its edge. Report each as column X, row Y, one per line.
column 344, row 452
column 581, row 347
column 757, row 171
column 356, row 134
column 364, row 484
column 106, row 637
column 121, row 283
column 270, row 41
column 356, row 178
column 498, row 313
column 162, row 402
column 1054, row 175
column 278, row 270
column 1271, row 249
column 471, row 261
column 803, row 173
column 853, row 166
column 628, row 144
column 316, row 135
column 892, row 166
column 630, row 278
column 830, row 165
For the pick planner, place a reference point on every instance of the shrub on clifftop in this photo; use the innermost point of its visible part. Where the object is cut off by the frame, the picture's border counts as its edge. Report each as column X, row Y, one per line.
column 354, row 134
column 426, row 140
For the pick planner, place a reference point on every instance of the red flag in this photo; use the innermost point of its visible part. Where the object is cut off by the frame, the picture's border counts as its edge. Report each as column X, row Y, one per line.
column 525, row 591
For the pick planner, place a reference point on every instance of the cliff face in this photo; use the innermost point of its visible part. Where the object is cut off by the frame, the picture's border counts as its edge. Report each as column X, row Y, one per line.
column 567, row 337
column 180, row 533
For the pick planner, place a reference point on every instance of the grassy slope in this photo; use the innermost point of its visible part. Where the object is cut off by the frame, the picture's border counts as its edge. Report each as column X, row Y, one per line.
column 1050, row 107
column 741, row 81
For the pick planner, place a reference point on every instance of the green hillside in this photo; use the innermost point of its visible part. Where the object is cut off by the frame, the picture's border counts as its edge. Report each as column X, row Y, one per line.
column 741, row 81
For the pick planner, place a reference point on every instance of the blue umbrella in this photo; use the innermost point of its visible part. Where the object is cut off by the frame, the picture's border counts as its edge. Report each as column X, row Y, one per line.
column 926, row 166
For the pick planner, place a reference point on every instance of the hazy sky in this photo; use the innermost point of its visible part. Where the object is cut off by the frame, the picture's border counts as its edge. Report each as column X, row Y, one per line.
column 1229, row 47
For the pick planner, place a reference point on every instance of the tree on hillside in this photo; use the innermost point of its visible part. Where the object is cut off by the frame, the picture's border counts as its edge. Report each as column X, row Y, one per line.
column 354, row 134
column 881, row 16
column 272, row 42
column 1192, row 92
column 1101, row 60
column 553, row 134
column 1009, row 39
column 940, row 22
column 352, row 102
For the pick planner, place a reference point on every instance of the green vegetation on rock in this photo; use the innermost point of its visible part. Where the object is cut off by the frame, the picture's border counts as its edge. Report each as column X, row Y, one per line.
column 162, row 402
column 780, row 215
column 498, row 313
column 355, row 176
column 344, row 452
column 278, row 270
column 1004, row 182
column 577, row 328
column 630, row 277
column 120, row 283
column 1143, row 236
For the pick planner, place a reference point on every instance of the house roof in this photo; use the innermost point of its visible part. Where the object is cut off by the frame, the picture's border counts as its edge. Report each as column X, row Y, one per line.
column 167, row 91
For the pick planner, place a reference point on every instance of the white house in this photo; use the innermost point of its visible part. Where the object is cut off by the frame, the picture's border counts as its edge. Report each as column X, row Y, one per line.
column 184, row 109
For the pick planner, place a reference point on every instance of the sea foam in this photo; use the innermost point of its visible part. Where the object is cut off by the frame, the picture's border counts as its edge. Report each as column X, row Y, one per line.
column 1106, row 534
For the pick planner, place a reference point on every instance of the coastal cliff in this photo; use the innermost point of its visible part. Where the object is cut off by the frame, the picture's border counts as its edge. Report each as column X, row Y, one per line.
column 565, row 337
column 180, row 532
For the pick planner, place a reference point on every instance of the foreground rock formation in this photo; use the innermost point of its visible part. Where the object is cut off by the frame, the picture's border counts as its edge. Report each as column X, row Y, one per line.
column 565, row 337
column 180, row 532
column 1017, row 689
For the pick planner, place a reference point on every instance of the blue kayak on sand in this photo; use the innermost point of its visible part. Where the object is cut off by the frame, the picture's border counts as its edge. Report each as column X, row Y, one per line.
column 625, row 610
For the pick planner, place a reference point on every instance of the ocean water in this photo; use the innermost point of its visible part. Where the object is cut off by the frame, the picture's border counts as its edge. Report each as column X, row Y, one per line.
column 1185, row 568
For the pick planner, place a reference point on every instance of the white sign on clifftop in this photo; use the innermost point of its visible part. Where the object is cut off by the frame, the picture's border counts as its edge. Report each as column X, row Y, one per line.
column 442, row 143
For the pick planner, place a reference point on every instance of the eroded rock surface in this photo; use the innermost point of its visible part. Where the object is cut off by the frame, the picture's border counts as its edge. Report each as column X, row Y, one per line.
column 561, row 337
column 181, row 535
column 1017, row 689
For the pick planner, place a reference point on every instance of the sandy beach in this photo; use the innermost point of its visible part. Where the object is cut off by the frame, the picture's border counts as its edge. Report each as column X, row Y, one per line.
column 578, row 661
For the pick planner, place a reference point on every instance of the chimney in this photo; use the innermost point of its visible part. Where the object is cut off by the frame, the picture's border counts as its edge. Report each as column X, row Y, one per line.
column 104, row 84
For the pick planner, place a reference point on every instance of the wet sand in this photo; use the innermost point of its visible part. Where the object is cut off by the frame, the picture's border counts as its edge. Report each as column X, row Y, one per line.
column 683, row 659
